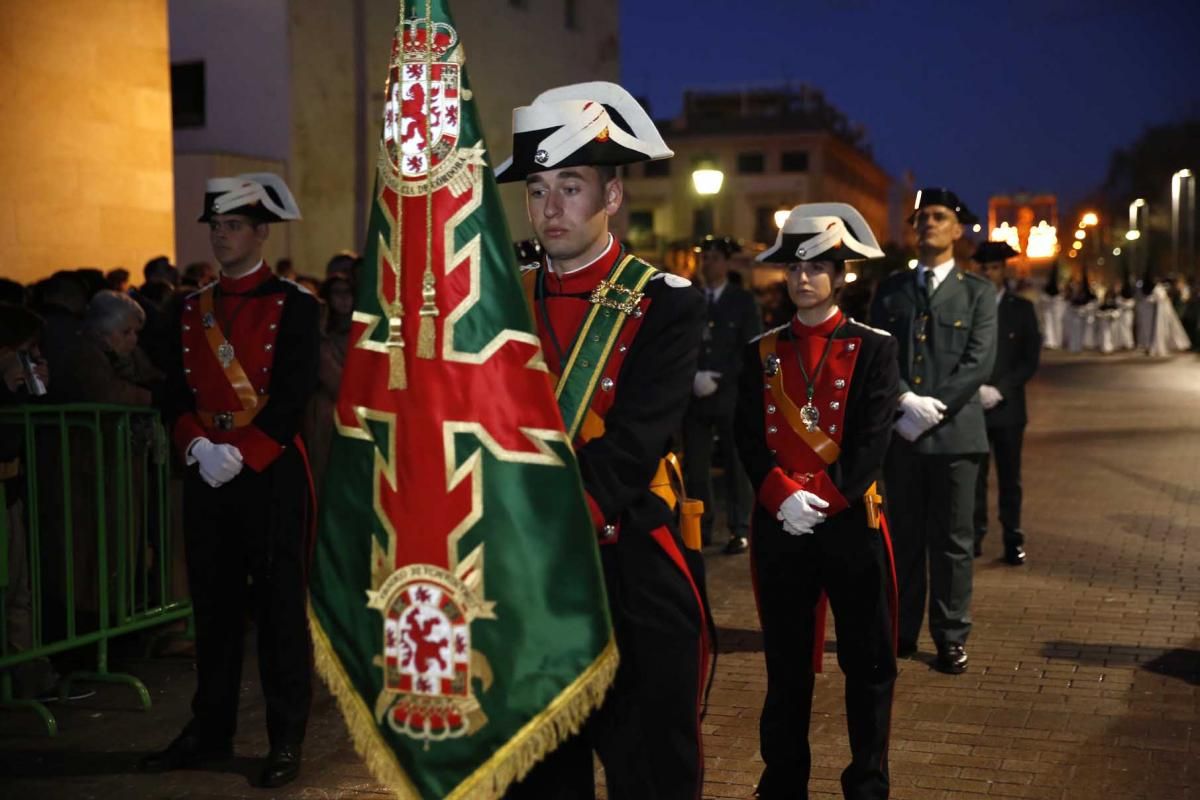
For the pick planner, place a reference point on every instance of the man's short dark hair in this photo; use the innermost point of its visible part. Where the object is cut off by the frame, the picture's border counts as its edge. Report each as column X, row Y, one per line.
column 607, row 172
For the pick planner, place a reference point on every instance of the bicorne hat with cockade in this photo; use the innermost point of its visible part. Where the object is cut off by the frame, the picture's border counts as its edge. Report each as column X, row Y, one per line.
column 987, row 252
column 262, row 196
column 823, row 232
column 584, row 124
column 937, row 196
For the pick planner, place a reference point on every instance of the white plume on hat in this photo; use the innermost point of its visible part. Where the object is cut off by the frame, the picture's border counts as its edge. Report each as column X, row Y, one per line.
column 246, row 190
column 578, row 114
column 813, row 229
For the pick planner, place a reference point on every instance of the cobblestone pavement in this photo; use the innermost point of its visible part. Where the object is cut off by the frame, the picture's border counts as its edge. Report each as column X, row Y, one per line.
column 1085, row 663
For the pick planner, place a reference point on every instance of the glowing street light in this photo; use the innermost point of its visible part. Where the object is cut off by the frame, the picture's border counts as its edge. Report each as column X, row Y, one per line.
column 1116, row 251
column 851, row 277
column 708, row 181
column 1133, row 236
column 781, row 217
column 1089, row 219
column 912, row 263
column 1077, row 245
column 1080, row 234
column 976, row 227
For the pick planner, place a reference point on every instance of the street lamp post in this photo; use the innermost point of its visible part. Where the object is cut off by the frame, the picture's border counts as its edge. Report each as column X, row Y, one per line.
column 1137, row 255
column 1183, row 183
column 707, row 180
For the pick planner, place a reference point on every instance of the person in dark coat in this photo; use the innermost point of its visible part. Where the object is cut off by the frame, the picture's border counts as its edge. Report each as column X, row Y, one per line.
column 245, row 368
column 634, row 333
column 815, row 407
column 733, row 320
column 944, row 321
column 1018, row 349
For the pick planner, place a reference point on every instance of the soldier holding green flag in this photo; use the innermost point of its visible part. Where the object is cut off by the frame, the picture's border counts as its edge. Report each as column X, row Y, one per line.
column 622, row 339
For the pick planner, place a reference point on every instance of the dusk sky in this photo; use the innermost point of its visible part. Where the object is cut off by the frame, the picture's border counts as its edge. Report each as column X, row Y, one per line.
column 986, row 98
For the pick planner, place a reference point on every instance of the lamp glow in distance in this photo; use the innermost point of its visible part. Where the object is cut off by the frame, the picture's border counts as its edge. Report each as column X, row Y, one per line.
column 707, row 181
column 781, row 217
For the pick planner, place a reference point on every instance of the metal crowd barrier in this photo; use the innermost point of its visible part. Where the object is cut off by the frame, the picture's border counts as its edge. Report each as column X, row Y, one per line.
column 98, row 541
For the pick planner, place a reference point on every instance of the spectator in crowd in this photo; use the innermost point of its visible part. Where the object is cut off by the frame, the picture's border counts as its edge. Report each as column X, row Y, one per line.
column 117, row 279
column 337, row 294
column 341, row 262
column 285, row 269
column 93, row 280
column 61, row 300
column 12, row 292
column 106, row 365
column 198, row 274
column 20, row 366
column 160, row 270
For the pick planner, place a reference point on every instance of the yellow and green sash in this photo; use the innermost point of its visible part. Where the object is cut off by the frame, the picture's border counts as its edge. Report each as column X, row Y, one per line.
column 614, row 300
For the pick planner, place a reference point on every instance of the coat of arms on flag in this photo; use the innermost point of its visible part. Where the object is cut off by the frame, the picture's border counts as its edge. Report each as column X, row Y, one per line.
column 457, row 605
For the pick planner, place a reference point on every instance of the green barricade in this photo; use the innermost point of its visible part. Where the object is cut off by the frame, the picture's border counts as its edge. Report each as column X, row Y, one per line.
column 88, row 547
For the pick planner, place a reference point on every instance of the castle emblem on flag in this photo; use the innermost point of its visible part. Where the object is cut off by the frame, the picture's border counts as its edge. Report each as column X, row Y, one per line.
column 428, row 662
column 422, row 110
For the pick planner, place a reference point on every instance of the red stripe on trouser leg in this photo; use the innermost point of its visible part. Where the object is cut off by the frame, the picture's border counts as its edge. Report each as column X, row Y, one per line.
column 663, row 536
column 895, row 594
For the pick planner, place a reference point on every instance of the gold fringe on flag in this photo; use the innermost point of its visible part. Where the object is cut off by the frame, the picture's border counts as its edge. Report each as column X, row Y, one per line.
column 426, row 336
column 559, row 721
column 397, row 376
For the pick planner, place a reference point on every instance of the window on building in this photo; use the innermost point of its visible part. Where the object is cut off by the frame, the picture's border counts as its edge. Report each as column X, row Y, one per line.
column 750, row 163
column 187, row 94
column 572, row 14
column 795, row 161
column 658, row 169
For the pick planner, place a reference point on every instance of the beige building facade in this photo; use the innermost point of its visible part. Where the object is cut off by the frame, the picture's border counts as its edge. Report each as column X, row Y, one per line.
column 770, row 162
column 308, row 93
column 85, row 148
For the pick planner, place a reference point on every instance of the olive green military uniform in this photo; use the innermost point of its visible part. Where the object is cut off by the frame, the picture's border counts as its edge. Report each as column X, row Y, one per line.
column 947, row 343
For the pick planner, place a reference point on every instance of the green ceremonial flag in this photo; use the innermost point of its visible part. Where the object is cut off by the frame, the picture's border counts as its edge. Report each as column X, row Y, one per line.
column 457, row 607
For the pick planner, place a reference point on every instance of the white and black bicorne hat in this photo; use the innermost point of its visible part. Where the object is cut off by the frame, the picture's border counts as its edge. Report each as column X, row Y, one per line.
column 823, row 232
column 584, row 124
column 259, row 195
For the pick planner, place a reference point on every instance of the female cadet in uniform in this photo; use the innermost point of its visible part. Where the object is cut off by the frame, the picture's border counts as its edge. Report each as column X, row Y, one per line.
column 813, row 422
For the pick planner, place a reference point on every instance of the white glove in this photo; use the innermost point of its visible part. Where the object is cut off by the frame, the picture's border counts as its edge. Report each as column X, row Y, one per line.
column 801, row 512
column 928, row 411
column 705, row 383
column 219, row 463
column 908, row 428
column 990, row 397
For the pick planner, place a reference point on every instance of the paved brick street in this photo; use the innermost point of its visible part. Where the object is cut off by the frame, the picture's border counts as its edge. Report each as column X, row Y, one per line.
column 1085, row 664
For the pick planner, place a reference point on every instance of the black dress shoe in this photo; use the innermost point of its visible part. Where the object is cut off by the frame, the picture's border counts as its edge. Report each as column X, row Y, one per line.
column 1014, row 554
column 952, row 659
column 737, row 544
column 281, row 766
column 188, row 750
column 906, row 649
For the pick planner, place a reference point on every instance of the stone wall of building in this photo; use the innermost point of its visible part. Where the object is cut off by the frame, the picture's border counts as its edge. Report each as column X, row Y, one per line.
column 85, row 148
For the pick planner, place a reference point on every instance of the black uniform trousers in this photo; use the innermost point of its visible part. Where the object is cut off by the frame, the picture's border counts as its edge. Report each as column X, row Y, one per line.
column 850, row 562
column 1006, row 449
column 698, row 429
column 930, row 503
column 253, row 528
column 647, row 732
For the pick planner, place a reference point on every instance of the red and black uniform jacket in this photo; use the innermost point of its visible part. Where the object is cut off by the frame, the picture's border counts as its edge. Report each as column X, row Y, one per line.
column 856, row 395
column 273, row 326
column 649, row 380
